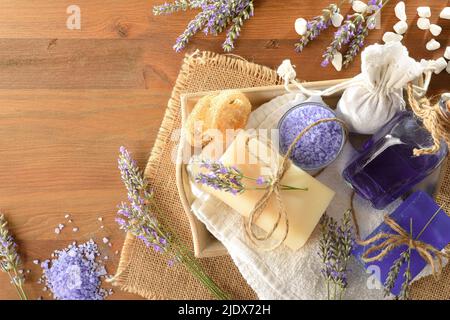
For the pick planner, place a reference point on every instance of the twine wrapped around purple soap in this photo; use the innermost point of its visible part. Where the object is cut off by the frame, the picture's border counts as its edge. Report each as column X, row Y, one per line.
column 401, row 238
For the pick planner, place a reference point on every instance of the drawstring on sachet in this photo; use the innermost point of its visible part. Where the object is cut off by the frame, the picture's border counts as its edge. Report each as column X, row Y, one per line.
column 286, row 71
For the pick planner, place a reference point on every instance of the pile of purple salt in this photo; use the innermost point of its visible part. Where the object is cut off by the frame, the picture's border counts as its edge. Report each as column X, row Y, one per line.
column 74, row 274
column 320, row 145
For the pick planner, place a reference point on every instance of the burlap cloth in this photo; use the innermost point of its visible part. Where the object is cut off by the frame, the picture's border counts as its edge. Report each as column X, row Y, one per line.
column 144, row 272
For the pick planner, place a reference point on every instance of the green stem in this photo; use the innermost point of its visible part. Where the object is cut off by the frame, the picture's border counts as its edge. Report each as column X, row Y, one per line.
column 328, row 289
column 21, row 296
column 184, row 254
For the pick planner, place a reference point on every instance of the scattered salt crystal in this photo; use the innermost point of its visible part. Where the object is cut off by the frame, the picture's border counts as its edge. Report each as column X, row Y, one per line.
column 100, row 219
column 69, row 221
column 67, row 216
column 44, row 289
column 75, row 274
column 391, row 37
column 116, row 252
column 400, row 27
column 105, row 240
column 445, row 13
column 75, row 229
column 400, row 11
column 101, row 227
column 359, row 6
column 110, row 244
column 336, row 19
column 300, row 26
column 424, row 12
column 423, row 23
column 28, row 271
column 432, row 45
column 337, row 61
column 60, row 226
column 105, row 258
column 440, row 65
column 447, row 53
column 57, row 231
column 36, row 261
column 435, row 29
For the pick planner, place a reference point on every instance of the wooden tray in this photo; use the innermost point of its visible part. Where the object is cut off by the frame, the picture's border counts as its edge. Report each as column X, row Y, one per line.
column 205, row 245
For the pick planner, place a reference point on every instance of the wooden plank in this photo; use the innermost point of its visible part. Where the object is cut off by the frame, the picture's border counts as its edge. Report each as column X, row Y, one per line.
column 133, row 19
column 58, row 155
column 141, row 64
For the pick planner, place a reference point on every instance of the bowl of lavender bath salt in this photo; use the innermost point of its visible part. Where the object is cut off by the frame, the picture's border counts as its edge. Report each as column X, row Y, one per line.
column 320, row 145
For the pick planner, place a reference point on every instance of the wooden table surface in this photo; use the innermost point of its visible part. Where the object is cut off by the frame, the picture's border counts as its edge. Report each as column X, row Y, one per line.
column 70, row 98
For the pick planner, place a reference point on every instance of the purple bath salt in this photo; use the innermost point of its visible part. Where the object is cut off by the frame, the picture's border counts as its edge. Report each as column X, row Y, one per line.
column 320, row 145
column 74, row 273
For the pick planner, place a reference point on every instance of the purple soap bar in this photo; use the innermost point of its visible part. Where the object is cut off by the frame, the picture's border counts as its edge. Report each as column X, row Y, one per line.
column 320, row 145
column 419, row 208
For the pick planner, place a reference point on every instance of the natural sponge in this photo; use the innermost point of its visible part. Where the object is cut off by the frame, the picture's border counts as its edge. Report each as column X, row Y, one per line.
column 226, row 110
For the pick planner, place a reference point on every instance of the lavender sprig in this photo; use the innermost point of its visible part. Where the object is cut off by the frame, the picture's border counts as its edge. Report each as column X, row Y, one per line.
column 361, row 33
column 142, row 217
column 353, row 32
column 230, row 179
column 246, row 12
column 316, row 25
column 394, row 272
column 216, row 15
column 335, row 248
column 342, row 36
column 179, row 5
column 10, row 260
column 404, row 290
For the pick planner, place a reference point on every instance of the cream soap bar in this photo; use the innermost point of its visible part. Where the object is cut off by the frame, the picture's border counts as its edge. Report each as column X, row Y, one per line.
column 304, row 208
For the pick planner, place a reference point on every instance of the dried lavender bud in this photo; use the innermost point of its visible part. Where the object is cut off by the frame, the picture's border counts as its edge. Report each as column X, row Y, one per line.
column 138, row 217
column 10, row 262
column 216, row 15
column 394, row 272
column 353, row 32
column 404, row 291
column 315, row 26
column 335, row 248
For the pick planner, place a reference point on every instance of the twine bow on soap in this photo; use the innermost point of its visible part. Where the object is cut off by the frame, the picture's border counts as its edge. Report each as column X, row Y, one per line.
column 279, row 169
column 435, row 120
column 392, row 241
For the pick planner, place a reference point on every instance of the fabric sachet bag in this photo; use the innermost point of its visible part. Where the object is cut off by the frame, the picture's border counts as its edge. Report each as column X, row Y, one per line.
column 377, row 92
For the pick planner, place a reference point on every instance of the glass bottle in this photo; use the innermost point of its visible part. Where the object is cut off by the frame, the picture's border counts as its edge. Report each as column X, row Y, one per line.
column 386, row 168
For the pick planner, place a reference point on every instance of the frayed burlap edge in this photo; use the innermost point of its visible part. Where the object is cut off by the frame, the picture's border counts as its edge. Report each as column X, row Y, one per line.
column 190, row 61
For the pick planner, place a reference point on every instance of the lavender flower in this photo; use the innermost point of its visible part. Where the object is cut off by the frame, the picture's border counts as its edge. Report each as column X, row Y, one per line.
column 315, row 26
column 142, row 217
column 335, row 248
column 230, row 179
column 10, row 260
column 221, row 177
column 342, row 37
column 362, row 31
column 216, row 15
column 353, row 32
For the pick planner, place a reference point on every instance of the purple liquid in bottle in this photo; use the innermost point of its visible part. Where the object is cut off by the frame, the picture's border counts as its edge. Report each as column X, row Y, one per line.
column 386, row 168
